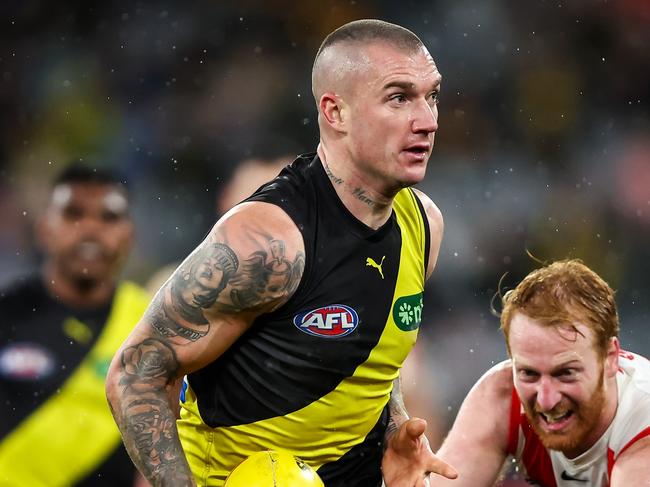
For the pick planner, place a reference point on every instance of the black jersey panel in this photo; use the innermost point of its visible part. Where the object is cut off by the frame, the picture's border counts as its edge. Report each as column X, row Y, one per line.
column 38, row 352
column 280, row 365
column 360, row 466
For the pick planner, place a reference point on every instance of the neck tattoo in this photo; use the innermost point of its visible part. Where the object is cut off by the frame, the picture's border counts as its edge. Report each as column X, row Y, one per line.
column 357, row 192
column 330, row 175
column 360, row 194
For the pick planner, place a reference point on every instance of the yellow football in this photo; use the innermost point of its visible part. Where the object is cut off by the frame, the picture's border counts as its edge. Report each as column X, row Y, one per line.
column 273, row 469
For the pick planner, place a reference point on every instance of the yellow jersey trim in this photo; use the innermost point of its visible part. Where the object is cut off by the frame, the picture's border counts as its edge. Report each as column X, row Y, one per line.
column 323, row 431
column 71, row 433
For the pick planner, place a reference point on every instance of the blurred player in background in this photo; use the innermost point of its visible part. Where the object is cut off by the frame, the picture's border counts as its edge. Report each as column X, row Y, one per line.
column 58, row 332
column 294, row 316
column 570, row 405
column 249, row 175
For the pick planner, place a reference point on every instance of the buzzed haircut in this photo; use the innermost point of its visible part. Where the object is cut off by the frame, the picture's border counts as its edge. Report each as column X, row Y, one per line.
column 78, row 172
column 371, row 30
column 360, row 33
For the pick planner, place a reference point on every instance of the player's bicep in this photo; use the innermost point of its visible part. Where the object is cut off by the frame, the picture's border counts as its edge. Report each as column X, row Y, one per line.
column 250, row 263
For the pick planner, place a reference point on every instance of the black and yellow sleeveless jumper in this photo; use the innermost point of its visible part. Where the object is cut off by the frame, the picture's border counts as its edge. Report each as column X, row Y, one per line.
column 315, row 376
column 56, row 429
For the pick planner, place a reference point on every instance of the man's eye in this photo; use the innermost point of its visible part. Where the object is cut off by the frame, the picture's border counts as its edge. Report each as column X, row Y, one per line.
column 111, row 217
column 528, row 374
column 72, row 213
column 434, row 97
column 399, row 97
column 567, row 372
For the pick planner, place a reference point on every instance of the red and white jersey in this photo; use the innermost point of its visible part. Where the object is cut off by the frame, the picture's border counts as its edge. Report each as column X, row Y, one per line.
column 549, row 468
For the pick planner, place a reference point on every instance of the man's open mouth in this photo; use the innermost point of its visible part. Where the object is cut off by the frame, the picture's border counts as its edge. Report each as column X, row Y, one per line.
column 555, row 419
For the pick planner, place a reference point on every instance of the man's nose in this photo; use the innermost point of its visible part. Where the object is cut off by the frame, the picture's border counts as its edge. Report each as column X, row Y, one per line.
column 89, row 225
column 548, row 395
column 425, row 118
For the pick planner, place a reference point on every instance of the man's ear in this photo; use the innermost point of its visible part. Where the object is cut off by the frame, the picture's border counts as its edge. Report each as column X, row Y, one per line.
column 333, row 111
column 611, row 358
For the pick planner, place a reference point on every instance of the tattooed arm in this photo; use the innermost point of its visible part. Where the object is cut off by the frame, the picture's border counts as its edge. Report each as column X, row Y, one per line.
column 408, row 459
column 396, row 410
column 250, row 263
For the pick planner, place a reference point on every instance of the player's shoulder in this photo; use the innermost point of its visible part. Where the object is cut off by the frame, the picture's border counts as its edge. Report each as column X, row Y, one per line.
column 23, row 289
column 294, row 182
column 254, row 226
column 434, row 215
column 633, row 412
column 634, row 384
column 637, row 368
column 289, row 198
column 484, row 414
column 496, row 384
column 261, row 214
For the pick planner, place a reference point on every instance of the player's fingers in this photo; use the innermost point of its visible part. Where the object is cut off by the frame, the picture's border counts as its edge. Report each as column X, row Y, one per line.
column 440, row 467
column 415, row 427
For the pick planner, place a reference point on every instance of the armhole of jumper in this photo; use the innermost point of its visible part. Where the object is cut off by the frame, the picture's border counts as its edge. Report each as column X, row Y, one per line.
column 641, row 435
column 425, row 226
column 306, row 240
column 513, row 428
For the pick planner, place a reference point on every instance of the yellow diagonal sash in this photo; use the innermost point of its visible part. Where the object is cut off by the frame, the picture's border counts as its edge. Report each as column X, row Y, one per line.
column 72, row 432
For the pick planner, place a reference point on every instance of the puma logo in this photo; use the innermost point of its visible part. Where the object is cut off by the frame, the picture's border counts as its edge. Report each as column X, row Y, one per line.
column 371, row 262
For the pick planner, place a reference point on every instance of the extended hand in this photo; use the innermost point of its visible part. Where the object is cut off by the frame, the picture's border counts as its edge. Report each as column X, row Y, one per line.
column 408, row 459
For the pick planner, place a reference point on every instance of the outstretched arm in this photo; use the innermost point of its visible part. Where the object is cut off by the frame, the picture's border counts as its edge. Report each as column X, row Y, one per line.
column 408, row 459
column 145, row 414
column 478, row 441
column 249, row 264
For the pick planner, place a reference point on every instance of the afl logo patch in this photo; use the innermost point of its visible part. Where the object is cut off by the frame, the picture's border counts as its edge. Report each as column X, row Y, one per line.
column 26, row 361
column 333, row 321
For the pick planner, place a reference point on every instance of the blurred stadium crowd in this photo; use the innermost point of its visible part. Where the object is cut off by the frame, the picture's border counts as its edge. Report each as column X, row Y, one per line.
column 543, row 148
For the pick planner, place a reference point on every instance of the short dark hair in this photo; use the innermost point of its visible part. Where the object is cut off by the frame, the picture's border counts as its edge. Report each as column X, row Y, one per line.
column 369, row 30
column 78, row 172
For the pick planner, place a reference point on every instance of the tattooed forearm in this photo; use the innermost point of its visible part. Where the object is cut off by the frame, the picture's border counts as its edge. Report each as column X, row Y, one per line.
column 149, row 366
column 397, row 411
column 144, row 413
